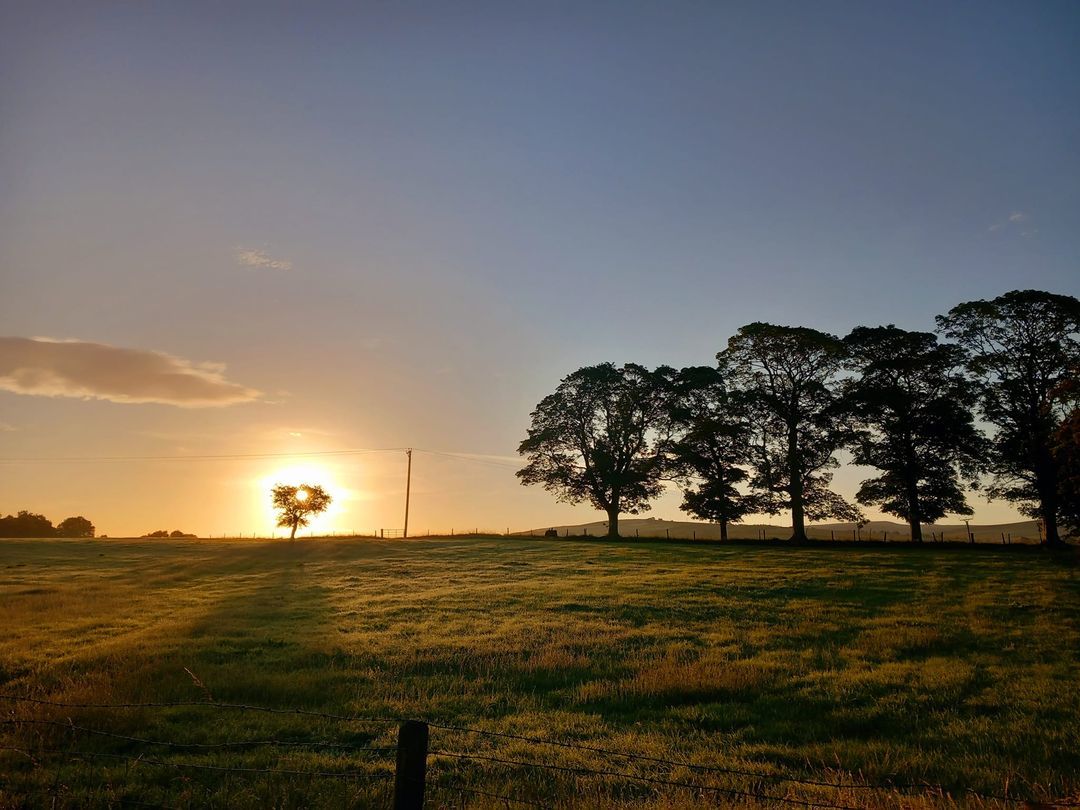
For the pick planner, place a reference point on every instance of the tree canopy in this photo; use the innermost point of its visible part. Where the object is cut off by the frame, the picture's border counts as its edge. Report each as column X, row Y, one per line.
column 75, row 527
column 296, row 505
column 711, row 448
column 909, row 405
column 1023, row 347
column 601, row 438
column 26, row 524
column 787, row 376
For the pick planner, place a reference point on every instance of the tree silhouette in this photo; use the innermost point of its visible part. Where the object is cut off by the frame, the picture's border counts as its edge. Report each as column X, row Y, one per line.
column 910, row 409
column 75, row 527
column 1023, row 346
column 712, row 447
column 600, row 438
column 1067, row 455
column 26, row 524
column 297, row 504
column 787, row 376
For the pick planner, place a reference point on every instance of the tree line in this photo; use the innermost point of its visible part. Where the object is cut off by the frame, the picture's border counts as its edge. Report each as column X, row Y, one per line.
column 31, row 524
column 990, row 401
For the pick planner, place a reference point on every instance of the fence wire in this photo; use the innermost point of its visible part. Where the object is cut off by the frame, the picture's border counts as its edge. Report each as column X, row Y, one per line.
column 39, row 755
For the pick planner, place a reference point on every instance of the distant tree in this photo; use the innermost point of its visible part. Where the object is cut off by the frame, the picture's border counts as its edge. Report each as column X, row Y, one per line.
column 26, row 524
column 1022, row 346
column 910, row 407
column 158, row 533
column 601, row 438
column 297, row 504
column 711, row 448
column 787, row 376
column 75, row 527
column 178, row 533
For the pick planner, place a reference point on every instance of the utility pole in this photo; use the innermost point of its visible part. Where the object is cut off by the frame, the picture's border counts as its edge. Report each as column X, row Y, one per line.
column 408, row 486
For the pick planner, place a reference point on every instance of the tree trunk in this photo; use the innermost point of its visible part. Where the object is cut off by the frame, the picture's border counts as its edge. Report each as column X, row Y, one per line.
column 613, row 522
column 795, row 488
column 723, row 530
column 1047, row 486
column 798, row 518
column 913, row 506
column 916, row 529
column 292, row 536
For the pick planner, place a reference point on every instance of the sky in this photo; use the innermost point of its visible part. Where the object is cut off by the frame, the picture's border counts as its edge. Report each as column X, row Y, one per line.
column 268, row 229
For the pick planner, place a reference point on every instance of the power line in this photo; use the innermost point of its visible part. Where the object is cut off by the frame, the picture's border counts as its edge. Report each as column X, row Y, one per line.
column 357, row 451
column 217, row 457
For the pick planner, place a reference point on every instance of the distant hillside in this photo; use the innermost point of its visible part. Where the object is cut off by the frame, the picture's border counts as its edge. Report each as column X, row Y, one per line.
column 1023, row 531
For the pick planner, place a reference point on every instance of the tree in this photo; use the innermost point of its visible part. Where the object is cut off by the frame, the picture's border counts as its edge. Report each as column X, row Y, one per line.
column 601, row 438
column 712, row 447
column 909, row 406
column 26, row 524
column 1022, row 347
column 297, row 504
column 75, row 527
column 1067, row 456
column 787, row 376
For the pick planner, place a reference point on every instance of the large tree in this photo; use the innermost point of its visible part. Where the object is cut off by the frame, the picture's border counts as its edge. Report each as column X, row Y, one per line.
column 1022, row 346
column 26, row 524
column 600, row 438
column 75, row 527
column 712, row 447
column 909, row 405
column 788, row 377
column 296, row 505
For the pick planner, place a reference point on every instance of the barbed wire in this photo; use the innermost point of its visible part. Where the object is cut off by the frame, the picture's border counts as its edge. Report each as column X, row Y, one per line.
column 204, row 746
column 203, row 704
column 143, row 760
column 581, row 770
column 777, row 777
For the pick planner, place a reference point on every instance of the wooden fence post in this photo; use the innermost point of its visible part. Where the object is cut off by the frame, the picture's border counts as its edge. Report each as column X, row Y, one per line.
column 411, row 765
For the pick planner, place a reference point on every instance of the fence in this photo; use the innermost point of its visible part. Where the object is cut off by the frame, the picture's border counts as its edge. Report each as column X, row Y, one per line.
column 418, row 778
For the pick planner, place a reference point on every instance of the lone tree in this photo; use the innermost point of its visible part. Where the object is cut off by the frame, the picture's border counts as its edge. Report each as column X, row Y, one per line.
column 297, row 504
column 787, row 375
column 909, row 407
column 712, row 447
column 75, row 527
column 1023, row 347
column 601, row 438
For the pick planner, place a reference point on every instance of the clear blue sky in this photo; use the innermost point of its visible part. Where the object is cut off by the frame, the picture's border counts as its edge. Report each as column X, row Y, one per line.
column 402, row 223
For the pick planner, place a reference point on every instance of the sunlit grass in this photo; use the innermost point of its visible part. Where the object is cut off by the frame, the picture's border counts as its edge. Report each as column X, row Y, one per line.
column 954, row 667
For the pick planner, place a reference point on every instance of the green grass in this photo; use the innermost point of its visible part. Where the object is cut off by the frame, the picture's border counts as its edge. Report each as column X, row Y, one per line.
column 950, row 666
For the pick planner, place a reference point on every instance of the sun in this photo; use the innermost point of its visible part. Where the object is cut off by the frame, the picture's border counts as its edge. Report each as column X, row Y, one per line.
column 301, row 494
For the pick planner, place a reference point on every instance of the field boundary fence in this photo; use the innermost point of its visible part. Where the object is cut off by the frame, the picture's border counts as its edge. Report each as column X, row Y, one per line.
column 422, row 761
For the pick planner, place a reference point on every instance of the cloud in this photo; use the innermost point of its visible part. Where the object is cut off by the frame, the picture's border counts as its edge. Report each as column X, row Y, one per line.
column 74, row 368
column 6, row 428
column 1015, row 218
column 260, row 260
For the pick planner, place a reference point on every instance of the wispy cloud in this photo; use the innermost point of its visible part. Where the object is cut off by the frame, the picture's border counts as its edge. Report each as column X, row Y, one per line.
column 260, row 260
column 6, row 428
column 74, row 368
column 1015, row 218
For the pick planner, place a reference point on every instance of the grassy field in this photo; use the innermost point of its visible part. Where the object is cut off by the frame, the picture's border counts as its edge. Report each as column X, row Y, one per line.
column 950, row 667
